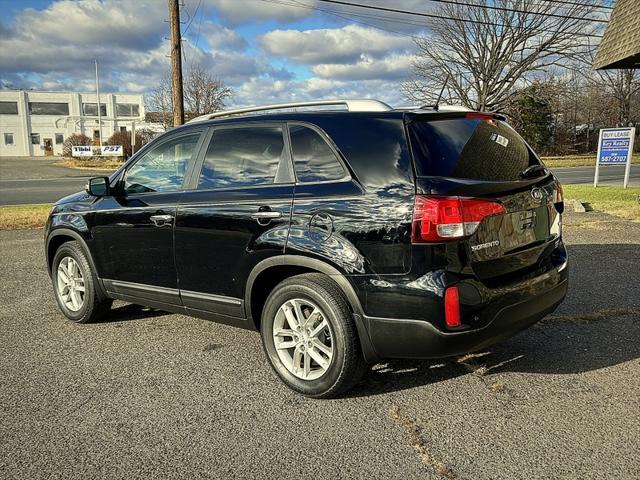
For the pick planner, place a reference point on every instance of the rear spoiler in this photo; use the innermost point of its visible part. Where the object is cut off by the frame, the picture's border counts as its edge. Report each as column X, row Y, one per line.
column 417, row 116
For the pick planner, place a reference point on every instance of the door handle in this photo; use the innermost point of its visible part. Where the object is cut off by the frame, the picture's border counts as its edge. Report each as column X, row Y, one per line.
column 263, row 217
column 268, row 215
column 161, row 220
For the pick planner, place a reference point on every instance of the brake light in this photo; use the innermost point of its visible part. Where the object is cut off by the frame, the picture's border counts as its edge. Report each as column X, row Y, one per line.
column 452, row 307
column 482, row 116
column 487, row 117
column 439, row 218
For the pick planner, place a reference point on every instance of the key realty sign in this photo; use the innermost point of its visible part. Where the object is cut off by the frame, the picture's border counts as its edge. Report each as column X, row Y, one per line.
column 615, row 147
column 97, row 151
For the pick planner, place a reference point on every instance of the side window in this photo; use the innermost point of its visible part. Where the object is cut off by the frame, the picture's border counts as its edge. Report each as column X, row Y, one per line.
column 163, row 168
column 243, row 156
column 314, row 159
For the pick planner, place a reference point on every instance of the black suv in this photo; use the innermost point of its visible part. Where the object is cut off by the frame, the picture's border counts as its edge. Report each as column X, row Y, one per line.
column 344, row 237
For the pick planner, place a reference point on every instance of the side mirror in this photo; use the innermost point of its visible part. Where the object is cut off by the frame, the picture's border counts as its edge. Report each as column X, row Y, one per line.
column 98, row 186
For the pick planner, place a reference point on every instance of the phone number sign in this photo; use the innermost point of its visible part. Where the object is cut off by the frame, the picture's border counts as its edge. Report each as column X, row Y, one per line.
column 615, row 144
column 615, row 147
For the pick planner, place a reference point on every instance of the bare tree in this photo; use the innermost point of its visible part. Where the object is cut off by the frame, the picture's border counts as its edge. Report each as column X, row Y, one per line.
column 203, row 93
column 622, row 86
column 492, row 47
column 161, row 101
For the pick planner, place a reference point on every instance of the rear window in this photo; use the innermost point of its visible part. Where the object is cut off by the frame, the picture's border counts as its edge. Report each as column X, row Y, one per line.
column 470, row 148
column 313, row 158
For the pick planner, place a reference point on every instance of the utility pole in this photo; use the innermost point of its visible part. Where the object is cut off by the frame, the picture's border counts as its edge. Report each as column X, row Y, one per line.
column 176, row 63
column 98, row 102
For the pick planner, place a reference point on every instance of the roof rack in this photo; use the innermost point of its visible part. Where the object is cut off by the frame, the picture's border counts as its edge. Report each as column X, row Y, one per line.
column 352, row 106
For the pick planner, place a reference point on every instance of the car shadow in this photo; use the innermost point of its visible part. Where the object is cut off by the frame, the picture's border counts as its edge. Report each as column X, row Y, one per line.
column 130, row 312
column 597, row 326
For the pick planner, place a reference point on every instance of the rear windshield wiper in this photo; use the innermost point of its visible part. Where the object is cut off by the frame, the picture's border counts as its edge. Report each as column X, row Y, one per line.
column 534, row 171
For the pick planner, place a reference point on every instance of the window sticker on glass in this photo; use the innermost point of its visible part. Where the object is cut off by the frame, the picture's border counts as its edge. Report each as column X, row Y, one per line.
column 499, row 139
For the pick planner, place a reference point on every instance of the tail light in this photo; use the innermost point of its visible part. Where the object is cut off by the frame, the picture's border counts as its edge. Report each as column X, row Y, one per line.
column 439, row 218
column 452, row 307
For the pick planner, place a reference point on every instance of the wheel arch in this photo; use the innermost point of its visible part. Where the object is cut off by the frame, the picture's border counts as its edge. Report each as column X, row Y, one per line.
column 270, row 272
column 62, row 235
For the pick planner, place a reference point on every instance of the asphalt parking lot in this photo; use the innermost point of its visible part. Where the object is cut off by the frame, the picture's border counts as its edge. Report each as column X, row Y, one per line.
column 155, row 395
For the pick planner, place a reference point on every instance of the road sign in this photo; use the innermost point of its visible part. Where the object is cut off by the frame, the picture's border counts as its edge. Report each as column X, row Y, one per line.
column 615, row 147
column 96, row 151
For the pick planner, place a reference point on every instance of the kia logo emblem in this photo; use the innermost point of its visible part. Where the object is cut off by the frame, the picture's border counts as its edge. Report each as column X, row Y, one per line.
column 537, row 194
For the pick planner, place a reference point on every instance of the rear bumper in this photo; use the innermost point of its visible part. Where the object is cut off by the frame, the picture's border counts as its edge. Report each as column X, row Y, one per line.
column 395, row 338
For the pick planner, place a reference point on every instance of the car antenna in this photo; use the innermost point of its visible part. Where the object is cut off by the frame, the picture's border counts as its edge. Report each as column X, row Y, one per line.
column 437, row 104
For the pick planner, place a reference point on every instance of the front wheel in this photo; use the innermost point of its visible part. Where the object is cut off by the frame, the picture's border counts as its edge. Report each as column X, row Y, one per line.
column 75, row 285
column 310, row 337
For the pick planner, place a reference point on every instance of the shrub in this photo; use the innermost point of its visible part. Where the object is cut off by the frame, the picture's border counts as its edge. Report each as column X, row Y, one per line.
column 72, row 140
column 124, row 138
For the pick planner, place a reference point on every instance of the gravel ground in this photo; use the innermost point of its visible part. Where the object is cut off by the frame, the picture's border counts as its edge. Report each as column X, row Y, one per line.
column 154, row 395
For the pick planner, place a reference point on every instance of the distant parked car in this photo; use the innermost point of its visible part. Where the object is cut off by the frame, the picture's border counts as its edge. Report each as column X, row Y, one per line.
column 344, row 237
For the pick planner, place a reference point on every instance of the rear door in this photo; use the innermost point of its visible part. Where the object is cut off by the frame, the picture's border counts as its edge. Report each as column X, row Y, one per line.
column 236, row 215
column 480, row 156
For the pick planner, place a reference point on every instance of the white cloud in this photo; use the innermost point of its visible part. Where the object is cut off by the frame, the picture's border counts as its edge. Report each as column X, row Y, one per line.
column 393, row 67
column 332, row 45
column 93, row 22
column 241, row 11
column 218, row 37
column 259, row 90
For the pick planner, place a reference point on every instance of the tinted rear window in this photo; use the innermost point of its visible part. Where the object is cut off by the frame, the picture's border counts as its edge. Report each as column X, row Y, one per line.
column 314, row 160
column 242, row 157
column 471, row 148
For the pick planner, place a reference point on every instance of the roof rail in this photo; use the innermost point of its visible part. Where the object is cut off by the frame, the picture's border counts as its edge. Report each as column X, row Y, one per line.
column 352, row 106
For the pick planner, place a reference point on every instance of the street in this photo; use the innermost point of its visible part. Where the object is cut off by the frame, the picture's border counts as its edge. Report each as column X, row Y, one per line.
column 609, row 175
column 38, row 180
column 155, row 395
column 25, row 180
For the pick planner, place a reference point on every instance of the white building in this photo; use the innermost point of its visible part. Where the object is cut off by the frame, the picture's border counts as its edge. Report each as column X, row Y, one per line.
column 37, row 123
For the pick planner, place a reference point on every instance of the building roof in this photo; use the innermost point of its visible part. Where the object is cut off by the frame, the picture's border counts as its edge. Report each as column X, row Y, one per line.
column 620, row 47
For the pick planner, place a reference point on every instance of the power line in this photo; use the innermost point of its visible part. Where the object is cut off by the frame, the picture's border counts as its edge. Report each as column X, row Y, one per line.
column 451, row 2
column 195, row 12
column 421, row 14
column 580, row 4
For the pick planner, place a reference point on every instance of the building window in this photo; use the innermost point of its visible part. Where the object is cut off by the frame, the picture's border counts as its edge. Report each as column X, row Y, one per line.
column 59, row 138
column 8, row 108
column 35, row 139
column 48, row 108
column 123, row 129
column 128, row 110
column 91, row 109
column 8, row 138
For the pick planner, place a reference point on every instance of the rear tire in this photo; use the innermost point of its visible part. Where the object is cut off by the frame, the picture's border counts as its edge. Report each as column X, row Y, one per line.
column 75, row 285
column 322, row 357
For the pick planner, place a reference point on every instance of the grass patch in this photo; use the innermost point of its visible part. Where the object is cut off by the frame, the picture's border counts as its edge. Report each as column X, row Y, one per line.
column 579, row 161
column 90, row 163
column 17, row 217
column 622, row 202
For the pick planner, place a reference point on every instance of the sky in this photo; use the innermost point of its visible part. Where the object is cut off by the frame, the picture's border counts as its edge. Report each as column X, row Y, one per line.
column 266, row 50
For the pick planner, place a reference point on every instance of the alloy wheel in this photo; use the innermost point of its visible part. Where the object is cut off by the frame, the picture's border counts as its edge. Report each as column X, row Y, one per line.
column 303, row 339
column 71, row 285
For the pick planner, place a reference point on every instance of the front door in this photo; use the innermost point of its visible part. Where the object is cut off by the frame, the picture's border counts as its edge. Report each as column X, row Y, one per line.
column 237, row 215
column 133, row 230
column 48, row 147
